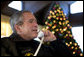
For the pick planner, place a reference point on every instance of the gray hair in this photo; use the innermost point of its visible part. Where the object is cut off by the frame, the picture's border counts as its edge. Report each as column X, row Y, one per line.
column 17, row 19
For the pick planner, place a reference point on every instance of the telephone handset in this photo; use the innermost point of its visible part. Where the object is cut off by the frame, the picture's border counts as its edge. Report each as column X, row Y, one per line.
column 40, row 35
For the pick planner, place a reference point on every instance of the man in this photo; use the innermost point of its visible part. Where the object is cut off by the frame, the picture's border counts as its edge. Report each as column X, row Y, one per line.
column 22, row 43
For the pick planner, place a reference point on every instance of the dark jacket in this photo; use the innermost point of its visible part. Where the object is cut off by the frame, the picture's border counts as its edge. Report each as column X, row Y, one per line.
column 16, row 46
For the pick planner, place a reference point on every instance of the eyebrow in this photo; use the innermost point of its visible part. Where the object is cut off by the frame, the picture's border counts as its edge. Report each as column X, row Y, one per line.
column 33, row 19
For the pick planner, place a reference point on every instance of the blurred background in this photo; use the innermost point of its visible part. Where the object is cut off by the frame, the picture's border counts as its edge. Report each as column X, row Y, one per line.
column 72, row 9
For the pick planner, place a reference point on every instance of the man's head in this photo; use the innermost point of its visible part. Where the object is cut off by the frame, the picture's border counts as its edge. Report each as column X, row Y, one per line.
column 25, row 24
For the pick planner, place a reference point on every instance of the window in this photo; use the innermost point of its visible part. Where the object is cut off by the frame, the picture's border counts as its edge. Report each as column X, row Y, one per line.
column 16, row 5
column 76, row 7
column 78, row 35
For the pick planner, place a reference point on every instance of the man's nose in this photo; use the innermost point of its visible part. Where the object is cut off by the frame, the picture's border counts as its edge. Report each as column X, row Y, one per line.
column 35, row 24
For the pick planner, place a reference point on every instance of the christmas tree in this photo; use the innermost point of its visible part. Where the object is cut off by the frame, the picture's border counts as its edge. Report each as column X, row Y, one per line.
column 59, row 25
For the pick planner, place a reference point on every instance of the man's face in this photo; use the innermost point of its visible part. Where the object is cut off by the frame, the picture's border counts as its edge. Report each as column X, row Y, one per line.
column 29, row 26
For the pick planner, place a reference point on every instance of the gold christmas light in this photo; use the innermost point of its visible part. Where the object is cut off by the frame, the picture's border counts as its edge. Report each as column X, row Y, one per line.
column 65, row 29
column 81, row 54
column 57, row 29
column 66, row 43
column 68, row 25
column 50, row 11
column 63, row 23
column 68, row 32
column 62, row 14
column 64, row 36
column 75, row 44
column 49, row 17
column 74, row 52
column 70, row 35
column 57, row 18
column 59, row 8
column 64, row 18
column 70, row 42
column 55, row 11
column 43, row 29
column 60, row 23
column 67, row 21
column 53, row 32
column 47, row 27
column 61, row 19
column 54, row 21
column 61, row 31
column 61, row 11
column 72, row 47
column 46, row 22
column 76, row 48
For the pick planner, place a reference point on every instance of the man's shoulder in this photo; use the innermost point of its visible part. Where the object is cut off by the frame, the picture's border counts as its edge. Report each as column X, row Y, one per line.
column 6, row 41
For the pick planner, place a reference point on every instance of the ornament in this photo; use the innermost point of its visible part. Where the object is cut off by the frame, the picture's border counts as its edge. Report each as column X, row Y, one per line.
column 54, row 8
column 28, row 54
column 60, row 34
column 53, row 27
column 50, row 25
column 54, row 16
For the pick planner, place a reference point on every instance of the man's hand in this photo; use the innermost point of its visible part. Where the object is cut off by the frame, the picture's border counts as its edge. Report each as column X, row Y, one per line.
column 48, row 36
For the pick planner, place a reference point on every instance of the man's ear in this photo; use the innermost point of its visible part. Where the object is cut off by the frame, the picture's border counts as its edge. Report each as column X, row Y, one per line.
column 18, row 28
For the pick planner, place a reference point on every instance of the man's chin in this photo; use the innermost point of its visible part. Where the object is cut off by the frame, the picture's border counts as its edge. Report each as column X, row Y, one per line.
column 35, row 35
